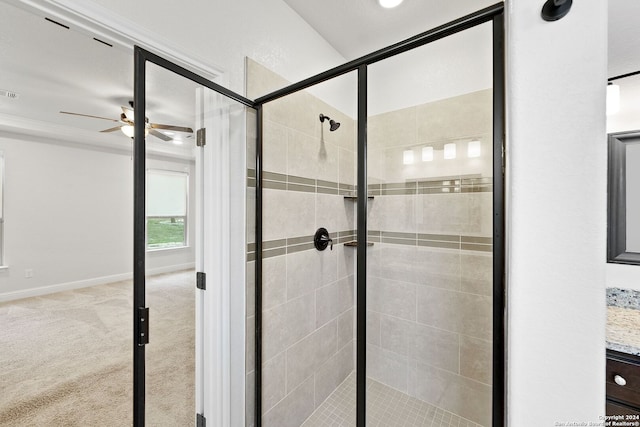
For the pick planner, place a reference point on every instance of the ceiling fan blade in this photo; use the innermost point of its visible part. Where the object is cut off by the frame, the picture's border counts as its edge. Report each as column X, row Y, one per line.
column 160, row 135
column 111, row 129
column 88, row 115
column 170, row 127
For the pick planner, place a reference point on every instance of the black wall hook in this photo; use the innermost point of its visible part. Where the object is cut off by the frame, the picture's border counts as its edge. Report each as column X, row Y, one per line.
column 555, row 9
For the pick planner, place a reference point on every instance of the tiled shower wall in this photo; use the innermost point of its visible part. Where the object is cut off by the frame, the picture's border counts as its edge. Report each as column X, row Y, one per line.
column 308, row 295
column 429, row 319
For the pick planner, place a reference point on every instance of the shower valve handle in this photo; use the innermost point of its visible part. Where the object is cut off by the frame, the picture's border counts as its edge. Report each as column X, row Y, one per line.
column 327, row 239
column 321, row 239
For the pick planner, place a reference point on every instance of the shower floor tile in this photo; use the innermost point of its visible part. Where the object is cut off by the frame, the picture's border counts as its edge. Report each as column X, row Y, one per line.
column 386, row 407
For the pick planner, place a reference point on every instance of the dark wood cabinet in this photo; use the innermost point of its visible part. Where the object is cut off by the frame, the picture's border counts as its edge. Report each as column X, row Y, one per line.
column 623, row 383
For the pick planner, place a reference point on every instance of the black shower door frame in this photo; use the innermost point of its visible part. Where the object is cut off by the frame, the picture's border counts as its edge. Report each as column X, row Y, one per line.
column 493, row 14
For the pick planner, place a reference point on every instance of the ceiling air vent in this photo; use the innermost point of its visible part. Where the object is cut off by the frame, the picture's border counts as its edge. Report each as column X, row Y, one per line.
column 8, row 94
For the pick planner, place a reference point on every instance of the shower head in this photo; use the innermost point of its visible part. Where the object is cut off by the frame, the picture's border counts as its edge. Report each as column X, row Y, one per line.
column 333, row 125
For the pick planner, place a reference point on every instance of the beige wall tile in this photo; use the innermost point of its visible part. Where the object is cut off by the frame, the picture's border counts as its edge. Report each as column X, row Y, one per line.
column 250, row 398
column 286, row 324
column 396, row 334
column 373, row 328
column 475, row 359
column 394, row 213
column 274, row 148
column 397, row 262
column 293, row 409
column 393, row 298
column 275, row 214
column 435, row 347
column 251, row 288
column 346, row 260
column 299, row 216
column 476, row 316
column 392, row 129
column 477, row 273
column 345, row 327
column 333, row 372
column 273, row 381
column 467, row 398
column 387, row 367
column 443, row 213
column 274, row 281
column 305, row 357
column 261, row 80
column 456, row 117
column 346, row 166
column 250, row 349
column 439, row 268
column 439, row 308
column 296, row 111
column 326, row 304
column 303, row 273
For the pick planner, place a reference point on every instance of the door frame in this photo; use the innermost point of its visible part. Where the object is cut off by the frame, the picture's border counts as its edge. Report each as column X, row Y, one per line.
column 495, row 15
column 215, row 250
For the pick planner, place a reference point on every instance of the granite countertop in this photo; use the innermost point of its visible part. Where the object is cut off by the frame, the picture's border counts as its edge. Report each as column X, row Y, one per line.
column 623, row 320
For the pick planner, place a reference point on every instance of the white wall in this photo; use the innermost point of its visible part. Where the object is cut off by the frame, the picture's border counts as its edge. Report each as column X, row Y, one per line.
column 223, row 32
column 556, row 213
column 69, row 217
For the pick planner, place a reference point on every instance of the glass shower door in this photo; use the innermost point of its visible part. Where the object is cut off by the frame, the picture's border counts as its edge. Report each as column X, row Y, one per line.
column 429, row 277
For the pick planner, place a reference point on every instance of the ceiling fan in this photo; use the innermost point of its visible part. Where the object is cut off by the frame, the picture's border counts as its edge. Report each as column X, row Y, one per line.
column 126, row 124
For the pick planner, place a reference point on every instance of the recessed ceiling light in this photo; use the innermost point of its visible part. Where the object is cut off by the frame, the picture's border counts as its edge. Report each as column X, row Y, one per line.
column 388, row 4
column 177, row 141
column 166, row 132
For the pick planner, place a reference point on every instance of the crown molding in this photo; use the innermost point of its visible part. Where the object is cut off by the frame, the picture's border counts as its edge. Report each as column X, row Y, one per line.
column 97, row 21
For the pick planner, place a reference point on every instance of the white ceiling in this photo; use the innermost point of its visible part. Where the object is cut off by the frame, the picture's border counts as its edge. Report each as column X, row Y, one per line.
column 55, row 69
column 357, row 27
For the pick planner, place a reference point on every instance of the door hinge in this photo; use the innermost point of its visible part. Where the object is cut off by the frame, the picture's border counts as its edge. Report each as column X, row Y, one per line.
column 201, row 137
column 143, row 325
column 201, row 280
column 201, row 421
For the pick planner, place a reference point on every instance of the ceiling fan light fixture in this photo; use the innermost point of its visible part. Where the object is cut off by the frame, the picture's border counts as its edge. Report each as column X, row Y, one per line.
column 129, row 130
column 389, row 4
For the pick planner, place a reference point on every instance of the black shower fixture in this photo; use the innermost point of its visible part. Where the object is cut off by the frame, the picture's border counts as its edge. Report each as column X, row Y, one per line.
column 555, row 9
column 333, row 125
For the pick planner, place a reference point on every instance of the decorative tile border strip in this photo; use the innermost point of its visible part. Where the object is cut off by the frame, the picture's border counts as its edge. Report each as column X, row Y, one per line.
column 291, row 245
column 446, row 241
column 278, row 181
column 271, row 248
column 445, row 185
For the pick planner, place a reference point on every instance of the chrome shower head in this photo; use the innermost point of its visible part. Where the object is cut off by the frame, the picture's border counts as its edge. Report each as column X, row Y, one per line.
column 333, row 125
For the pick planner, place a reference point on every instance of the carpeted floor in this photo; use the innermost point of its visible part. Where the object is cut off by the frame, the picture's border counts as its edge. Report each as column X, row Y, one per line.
column 67, row 357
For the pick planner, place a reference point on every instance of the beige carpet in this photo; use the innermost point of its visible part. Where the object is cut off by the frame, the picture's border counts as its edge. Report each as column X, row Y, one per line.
column 67, row 357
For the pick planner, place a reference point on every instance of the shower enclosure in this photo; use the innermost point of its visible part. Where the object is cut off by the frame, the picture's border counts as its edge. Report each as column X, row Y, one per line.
column 397, row 317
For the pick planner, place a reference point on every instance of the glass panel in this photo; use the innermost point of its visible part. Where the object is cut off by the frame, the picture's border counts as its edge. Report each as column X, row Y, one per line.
column 429, row 281
column 308, row 300
column 171, row 194
column 65, row 316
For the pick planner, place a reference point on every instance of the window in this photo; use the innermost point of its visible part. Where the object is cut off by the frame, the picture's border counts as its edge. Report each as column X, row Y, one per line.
column 167, row 201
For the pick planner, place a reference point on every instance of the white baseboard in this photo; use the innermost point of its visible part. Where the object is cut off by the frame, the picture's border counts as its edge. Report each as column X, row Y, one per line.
column 45, row 290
